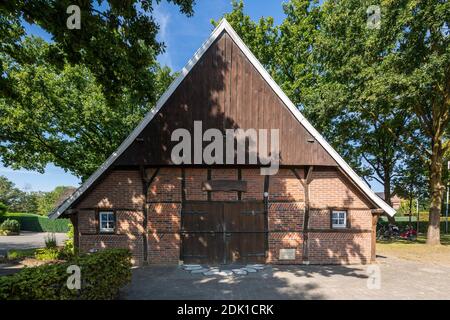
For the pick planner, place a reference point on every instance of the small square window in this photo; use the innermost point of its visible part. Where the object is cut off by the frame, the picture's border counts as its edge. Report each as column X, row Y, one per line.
column 338, row 219
column 107, row 221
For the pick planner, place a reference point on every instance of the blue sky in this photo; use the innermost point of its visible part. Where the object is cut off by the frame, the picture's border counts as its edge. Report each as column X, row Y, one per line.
column 182, row 36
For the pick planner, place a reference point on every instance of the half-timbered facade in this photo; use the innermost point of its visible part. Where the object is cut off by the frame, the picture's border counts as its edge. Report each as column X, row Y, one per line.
column 314, row 209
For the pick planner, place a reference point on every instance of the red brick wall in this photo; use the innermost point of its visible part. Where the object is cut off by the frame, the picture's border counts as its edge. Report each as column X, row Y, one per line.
column 331, row 190
column 286, row 216
column 284, row 186
column 285, row 240
column 104, row 241
column 166, row 185
column 339, row 248
column 128, row 233
column 194, row 181
column 122, row 191
column 255, row 184
column 119, row 189
column 163, row 233
column 164, row 213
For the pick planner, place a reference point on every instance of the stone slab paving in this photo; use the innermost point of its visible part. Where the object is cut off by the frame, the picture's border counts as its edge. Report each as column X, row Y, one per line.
column 400, row 279
column 226, row 271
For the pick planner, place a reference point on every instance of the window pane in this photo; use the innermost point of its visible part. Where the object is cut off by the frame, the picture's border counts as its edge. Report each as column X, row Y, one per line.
column 106, row 221
column 339, row 219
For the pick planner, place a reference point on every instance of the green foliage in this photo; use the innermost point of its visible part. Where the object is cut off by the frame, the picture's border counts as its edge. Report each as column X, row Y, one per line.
column 61, row 115
column 15, row 199
column 20, row 254
column 102, row 275
column 400, row 68
column 69, row 246
column 71, row 102
column 48, row 201
column 35, row 202
column 116, row 43
column 10, row 225
column 50, row 241
column 412, row 184
column 37, row 223
column 48, row 254
column 3, row 208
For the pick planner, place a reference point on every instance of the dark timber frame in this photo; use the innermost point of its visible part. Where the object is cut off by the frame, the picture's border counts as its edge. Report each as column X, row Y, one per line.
column 146, row 182
column 305, row 183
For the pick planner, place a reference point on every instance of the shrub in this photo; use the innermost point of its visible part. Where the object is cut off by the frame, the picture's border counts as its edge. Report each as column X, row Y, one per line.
column 69, row 248
column 3, row 208
column 50, row 241
column 102, row 275
column 10, row 225
column 47, row 254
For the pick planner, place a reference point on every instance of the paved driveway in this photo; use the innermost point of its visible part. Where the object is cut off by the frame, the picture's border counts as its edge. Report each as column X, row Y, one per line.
column 400, row 279
column 27, row 240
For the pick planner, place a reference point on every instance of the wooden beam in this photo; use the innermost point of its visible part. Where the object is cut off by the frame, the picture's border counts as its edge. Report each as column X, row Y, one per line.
column 225, row 185
column 305, row 183
column 146, row 182
column 309, row 174
column 375, row 216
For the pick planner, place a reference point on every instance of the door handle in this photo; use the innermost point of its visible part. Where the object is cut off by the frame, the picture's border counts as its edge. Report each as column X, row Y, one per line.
column 227, row 234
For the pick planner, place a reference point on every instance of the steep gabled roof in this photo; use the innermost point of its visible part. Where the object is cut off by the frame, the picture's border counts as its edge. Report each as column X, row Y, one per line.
column 224, row 26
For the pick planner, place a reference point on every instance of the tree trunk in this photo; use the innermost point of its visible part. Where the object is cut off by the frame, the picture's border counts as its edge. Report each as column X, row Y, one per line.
column 387, row 195
column 410, row 210
column 437, row 191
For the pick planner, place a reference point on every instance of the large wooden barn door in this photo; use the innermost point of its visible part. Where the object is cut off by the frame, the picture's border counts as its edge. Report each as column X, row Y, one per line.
column 202, row 232
column 244, row 232
column 223, row 232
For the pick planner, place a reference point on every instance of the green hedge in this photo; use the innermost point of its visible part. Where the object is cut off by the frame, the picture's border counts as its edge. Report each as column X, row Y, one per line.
column 37, row 223
column 102, row 275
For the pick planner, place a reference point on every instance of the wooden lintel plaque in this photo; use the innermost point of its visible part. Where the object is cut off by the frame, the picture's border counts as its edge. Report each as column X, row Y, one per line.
column 225, row 185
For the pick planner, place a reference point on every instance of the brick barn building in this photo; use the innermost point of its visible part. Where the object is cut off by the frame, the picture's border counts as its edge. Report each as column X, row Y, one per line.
column 315, row 209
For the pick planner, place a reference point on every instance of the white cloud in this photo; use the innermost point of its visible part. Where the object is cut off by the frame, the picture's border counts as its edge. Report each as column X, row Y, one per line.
column 163, row 19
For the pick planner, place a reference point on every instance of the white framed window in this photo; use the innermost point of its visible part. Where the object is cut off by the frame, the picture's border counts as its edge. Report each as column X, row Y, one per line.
column 107, row 221
column 338, row 219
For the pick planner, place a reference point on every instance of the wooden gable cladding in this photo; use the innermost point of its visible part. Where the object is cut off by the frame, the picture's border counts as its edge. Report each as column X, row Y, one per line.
column 224, row 91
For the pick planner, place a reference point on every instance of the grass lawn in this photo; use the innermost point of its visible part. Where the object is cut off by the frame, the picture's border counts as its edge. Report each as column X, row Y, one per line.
column 417, row 250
